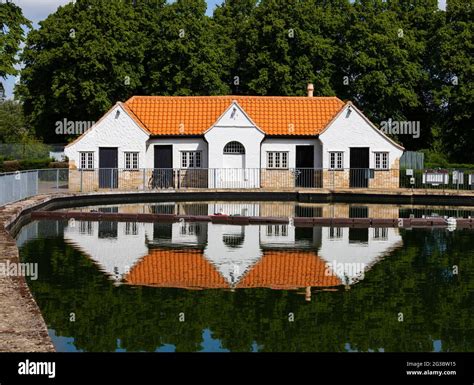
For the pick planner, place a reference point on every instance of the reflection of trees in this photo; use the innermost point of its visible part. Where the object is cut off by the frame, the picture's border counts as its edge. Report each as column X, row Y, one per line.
column 435, row 303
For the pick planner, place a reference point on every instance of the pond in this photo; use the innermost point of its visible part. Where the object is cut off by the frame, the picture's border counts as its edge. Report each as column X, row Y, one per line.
column 126, row 286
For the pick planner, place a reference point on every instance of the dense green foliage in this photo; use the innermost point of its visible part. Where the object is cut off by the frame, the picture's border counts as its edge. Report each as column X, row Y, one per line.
column 12, row 22
column 396, row 59
column 12, row 122
column 30, row 164
column 415, row 280
column 17, row 141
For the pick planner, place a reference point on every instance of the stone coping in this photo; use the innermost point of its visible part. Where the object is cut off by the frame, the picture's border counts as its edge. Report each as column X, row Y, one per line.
column 22, row 327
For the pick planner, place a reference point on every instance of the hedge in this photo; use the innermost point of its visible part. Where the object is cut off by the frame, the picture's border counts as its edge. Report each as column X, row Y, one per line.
column 30, row 164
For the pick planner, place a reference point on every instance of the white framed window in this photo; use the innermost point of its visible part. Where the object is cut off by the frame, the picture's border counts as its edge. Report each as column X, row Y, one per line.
column 277, row 230
column 277, row 159
column 86, row 227
column 131, row 161
column 380, row 233
column 86, row 160
column 131, row 228
column 234, row 148
column 381, row 160
column 335, row 232
column 191, row 159
column 336, row 160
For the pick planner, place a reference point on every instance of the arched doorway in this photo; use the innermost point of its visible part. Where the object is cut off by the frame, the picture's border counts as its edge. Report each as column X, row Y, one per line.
column 234, row 155
column 233, row 165
column 234, row 172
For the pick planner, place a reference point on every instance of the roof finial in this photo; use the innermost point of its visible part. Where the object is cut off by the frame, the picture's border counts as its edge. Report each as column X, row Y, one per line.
column 310, row 90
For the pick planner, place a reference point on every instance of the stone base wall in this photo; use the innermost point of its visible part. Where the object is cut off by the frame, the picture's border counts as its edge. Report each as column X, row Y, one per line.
column 191, row 178
column 387, row 178
column 131, row 180
column 198, row 178
column 335, row 179
column 84, row 181
column 277, row 179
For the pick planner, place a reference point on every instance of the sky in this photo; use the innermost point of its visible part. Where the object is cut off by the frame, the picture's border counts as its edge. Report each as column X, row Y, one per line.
column 37, row 10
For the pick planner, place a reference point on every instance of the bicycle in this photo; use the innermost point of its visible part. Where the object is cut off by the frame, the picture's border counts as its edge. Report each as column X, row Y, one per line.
column 160, row 179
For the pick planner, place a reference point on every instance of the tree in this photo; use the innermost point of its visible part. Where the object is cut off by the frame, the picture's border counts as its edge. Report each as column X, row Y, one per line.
column 401, row 59
column 292, row 43
column 234, row 18
column 184, row 55
column 12, row 122
column 381, row 75
column 84, row 58
column 420, row 20
column 454, row 70
column 12, row 23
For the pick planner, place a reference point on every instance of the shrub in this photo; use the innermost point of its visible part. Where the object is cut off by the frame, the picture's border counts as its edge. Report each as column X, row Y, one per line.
column 32, row 164
column 59, row 165
column 10, row 166
column 25, row 164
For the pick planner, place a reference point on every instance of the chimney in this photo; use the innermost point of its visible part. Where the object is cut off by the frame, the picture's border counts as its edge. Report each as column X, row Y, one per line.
column 310, row 89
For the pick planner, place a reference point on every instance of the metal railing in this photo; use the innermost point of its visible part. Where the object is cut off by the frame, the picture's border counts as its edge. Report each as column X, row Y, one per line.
column 19, row 185
column 23, row 184
column 278, row 179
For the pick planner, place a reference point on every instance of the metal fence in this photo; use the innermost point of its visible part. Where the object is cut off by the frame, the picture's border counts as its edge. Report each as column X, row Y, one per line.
column 23, row 184
column 20, row 185
column 412, row 159
column 278, row 179
column 444, row 179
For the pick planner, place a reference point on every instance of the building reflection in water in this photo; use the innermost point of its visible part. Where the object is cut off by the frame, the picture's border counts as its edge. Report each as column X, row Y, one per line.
column 202, row 255
column 287, row 209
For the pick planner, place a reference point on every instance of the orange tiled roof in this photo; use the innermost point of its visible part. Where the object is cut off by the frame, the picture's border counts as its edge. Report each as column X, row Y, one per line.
column 274, row 115
column 190, row 269
column 289, row 270
column 175, row 268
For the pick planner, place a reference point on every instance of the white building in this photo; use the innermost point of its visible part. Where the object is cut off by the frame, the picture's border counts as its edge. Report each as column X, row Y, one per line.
column 234, row 141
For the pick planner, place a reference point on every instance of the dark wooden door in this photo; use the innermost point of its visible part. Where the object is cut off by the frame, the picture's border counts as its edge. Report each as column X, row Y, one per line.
column 163, row 164
column 359, row 167
column 108, row 167
column 304, row 166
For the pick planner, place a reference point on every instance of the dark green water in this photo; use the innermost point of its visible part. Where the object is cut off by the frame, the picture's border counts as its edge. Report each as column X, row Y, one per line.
column 409, row 299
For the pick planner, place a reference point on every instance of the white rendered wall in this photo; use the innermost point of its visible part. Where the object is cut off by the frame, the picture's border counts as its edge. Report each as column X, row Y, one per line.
column 111, row 131
column 289, row 145
column 179, row 145
column 234, row 126
column 355, row 131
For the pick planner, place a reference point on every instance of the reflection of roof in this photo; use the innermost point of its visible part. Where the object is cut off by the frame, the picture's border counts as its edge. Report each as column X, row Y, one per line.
column 184, row 268
column 170, row 115
column 188, row 268
column 289, row 270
